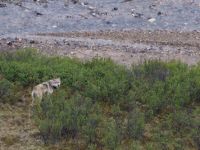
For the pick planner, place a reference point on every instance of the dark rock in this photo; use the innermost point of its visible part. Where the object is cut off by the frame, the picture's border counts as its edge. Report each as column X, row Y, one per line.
column 108, row 22
column 32, row 42
column 10, row 43
column 86, row 3
column 75, row 1
column 126, row 1
column 38, row 13
column 152, row 6
column 138, row 15
column 115, row 8
column 18, row 40
column 159, row 13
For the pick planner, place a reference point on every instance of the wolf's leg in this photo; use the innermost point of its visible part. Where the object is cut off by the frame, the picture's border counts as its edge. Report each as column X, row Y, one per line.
column 29, row 116
column 34, row 97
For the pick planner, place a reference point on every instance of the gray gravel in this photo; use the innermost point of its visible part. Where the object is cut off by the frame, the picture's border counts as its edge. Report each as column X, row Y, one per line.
column 54, row 16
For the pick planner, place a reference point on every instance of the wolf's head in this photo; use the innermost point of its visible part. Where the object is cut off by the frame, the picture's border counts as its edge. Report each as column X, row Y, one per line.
column 55, row 83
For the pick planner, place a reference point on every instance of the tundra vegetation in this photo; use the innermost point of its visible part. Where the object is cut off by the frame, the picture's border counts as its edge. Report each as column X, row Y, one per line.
column 102, row 105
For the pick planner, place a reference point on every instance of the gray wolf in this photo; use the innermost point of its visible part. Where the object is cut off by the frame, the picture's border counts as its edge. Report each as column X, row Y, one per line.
column 45, row 88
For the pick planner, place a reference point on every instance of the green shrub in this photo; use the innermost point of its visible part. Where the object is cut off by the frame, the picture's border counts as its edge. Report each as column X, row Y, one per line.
column 196, row 136
column 59, row 117
column 92, row 147
column 135, row 146
column 5, row 88
column 148, row 86
column 23, row 55
column 89, row 130
column 106, row 81
column 118, row 116
column 151, row 71
column 135, row 125
column 159, row 85
column 100, row 79
column 7, row 92
column 108, row 137
column 181, row 121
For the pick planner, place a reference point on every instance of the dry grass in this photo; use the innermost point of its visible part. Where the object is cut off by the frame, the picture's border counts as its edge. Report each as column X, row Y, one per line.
column 10, row 139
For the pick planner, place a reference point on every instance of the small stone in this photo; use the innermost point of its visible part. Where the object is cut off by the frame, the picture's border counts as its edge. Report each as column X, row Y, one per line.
column 115, row 8
column 127, row 1
column 66, row 3
column 75, row 1
column 159, row 13
column 32, row 42
column 152, row 6
column 94, row 14
column 18, row 40
column 133, row 14
column 84, row 3
column 91, row 8
column 151, row 20
column 38, row 13
column 9, row 43
column 108, row 22
column 114, row 25
column 137, row 15
column 72, row 53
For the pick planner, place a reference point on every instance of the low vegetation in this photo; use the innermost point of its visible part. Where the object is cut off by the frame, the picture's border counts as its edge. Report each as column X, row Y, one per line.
column 102, row 105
